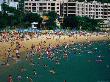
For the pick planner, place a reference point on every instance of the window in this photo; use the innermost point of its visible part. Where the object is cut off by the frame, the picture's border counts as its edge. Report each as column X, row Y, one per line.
column 52, row 8
column 40, row 8
column 57, row 7
column 40, row 4
column 65, row 12
column 44, row 4
column 71, row 4
column 26, row 3
column 44, row 7
column 96, row 16
column 29, row 3
column 26, row 7
column 105, row 13
column 35, row 25
column 52, row 4
column 72, row 8
column 33, row 4
column 105, row 16
column 65, row 4
column 96, row 6
column 71, row 11
column 33, row 8
column 96, row 13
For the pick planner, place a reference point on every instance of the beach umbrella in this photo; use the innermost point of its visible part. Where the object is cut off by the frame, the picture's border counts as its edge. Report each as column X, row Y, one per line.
column 20, row 30
column 34, row 30
column 37, row 30
column 30, row 30
column 25, row 30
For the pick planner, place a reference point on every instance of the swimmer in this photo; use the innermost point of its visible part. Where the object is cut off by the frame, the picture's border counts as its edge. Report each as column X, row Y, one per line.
column 10, row 78
column 65, row 55
column 107, row 66
column 52, row 71
column 34, row 72
column 64, row 80
column 19, row 77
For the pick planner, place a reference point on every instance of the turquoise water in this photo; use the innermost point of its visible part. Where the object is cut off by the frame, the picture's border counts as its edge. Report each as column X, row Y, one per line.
column 81, row 65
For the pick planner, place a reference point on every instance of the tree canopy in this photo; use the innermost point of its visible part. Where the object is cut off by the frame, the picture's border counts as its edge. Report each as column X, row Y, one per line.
column 12, row 17
column 81, row 23
column 51, row 22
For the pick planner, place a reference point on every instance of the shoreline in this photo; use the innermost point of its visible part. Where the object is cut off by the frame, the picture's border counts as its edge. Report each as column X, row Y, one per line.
column 53, row 41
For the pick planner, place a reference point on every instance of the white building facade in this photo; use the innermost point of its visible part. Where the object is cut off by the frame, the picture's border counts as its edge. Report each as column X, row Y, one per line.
column 0, row 8
column 11, row 3
column 94, row 9
column 14, row 4
column 68, row 8
column 42, row 6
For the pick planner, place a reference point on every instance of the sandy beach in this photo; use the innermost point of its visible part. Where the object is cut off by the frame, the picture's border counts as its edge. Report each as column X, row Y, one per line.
column 52, row 40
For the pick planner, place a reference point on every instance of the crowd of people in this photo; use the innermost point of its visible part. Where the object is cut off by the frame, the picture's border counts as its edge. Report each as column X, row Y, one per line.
column 16, row 39
column 13, row 36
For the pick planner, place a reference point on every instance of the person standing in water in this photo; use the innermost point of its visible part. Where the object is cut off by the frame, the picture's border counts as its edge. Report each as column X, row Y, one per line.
column 17, row 53
column 10, row 78
column 64, row 80
column 30, row 79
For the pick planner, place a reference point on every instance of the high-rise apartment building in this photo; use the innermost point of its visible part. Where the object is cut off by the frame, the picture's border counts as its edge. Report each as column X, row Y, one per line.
column 93, row 9
column 68, row 8
column 42, row 6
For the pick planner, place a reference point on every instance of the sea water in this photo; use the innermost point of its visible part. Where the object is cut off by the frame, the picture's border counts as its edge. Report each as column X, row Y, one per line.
column 85, row 62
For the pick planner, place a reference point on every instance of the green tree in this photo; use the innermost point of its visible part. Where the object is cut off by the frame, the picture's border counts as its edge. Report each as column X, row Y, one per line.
column 3, row 20
column 32, row 17
column 4, row 7
column 89, row 24
column 51, row 23
column 71, row 22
